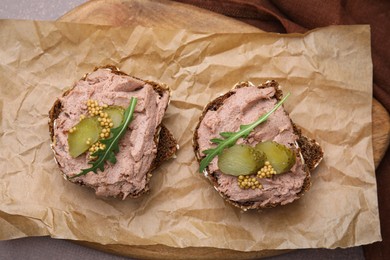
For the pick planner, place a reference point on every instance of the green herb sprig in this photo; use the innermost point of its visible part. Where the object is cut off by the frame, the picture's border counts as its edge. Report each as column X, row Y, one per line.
column 111, row 144
column 230, row 138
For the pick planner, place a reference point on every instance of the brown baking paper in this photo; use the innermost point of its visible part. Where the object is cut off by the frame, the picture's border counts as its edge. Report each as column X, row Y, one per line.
column 328, row 72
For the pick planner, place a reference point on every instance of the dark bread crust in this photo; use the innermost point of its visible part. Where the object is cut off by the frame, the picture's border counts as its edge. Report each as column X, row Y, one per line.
column 166, row 143
column 310, row 150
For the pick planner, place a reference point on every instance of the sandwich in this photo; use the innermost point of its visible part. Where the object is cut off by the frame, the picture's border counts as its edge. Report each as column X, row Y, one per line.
column 251, row 151
column 106, row 132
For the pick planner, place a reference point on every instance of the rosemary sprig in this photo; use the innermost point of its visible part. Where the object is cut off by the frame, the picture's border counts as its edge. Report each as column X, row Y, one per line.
column 230, row 138
column 111, row 144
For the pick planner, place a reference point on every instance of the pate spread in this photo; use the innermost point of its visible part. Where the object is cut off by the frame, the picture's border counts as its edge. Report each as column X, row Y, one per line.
column 245, row 106
column 137, row 148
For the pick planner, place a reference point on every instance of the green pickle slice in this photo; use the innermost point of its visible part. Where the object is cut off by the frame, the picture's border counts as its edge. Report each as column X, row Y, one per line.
column 116, row 114
column 86, row 133
column 280, row 157
column 240, row 159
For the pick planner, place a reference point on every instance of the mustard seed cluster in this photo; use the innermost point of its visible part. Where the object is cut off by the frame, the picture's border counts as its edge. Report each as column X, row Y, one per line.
column 96, row 146
column 94, row 109
column 251, row 181
column 267, row 171
column 248, row 182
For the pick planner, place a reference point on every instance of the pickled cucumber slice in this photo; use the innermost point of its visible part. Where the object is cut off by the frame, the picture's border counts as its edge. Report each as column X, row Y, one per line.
column 240, row 160
column 281, row 157
column 116, row 114
column 86, row 133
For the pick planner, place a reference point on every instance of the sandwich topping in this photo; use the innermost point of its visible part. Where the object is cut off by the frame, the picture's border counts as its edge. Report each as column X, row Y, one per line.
column 265, row 159
column 86, row 134
column 91, row 109
column 230, row 138
column 108, row 144
column 280, row 175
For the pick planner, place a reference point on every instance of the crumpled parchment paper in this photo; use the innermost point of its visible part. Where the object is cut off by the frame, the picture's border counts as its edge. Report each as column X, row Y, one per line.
column 328, row 71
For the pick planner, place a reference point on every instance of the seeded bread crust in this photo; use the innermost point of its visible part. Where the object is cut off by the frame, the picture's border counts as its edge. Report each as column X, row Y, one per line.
column 309, row 149
column 163, row 138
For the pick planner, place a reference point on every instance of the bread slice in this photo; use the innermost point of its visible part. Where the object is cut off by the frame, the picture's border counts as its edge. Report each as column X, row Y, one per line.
column 164, row 141
column 309, row 151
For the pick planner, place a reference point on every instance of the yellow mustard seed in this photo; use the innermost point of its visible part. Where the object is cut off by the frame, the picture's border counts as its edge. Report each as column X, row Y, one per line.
column 246, row 182
column 267, row 171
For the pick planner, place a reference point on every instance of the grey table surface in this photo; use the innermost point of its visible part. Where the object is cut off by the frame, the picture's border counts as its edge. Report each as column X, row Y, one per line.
column 49, row 248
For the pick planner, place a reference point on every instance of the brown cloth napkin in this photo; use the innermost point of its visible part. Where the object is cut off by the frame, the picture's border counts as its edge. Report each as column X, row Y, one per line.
column 301, row 16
